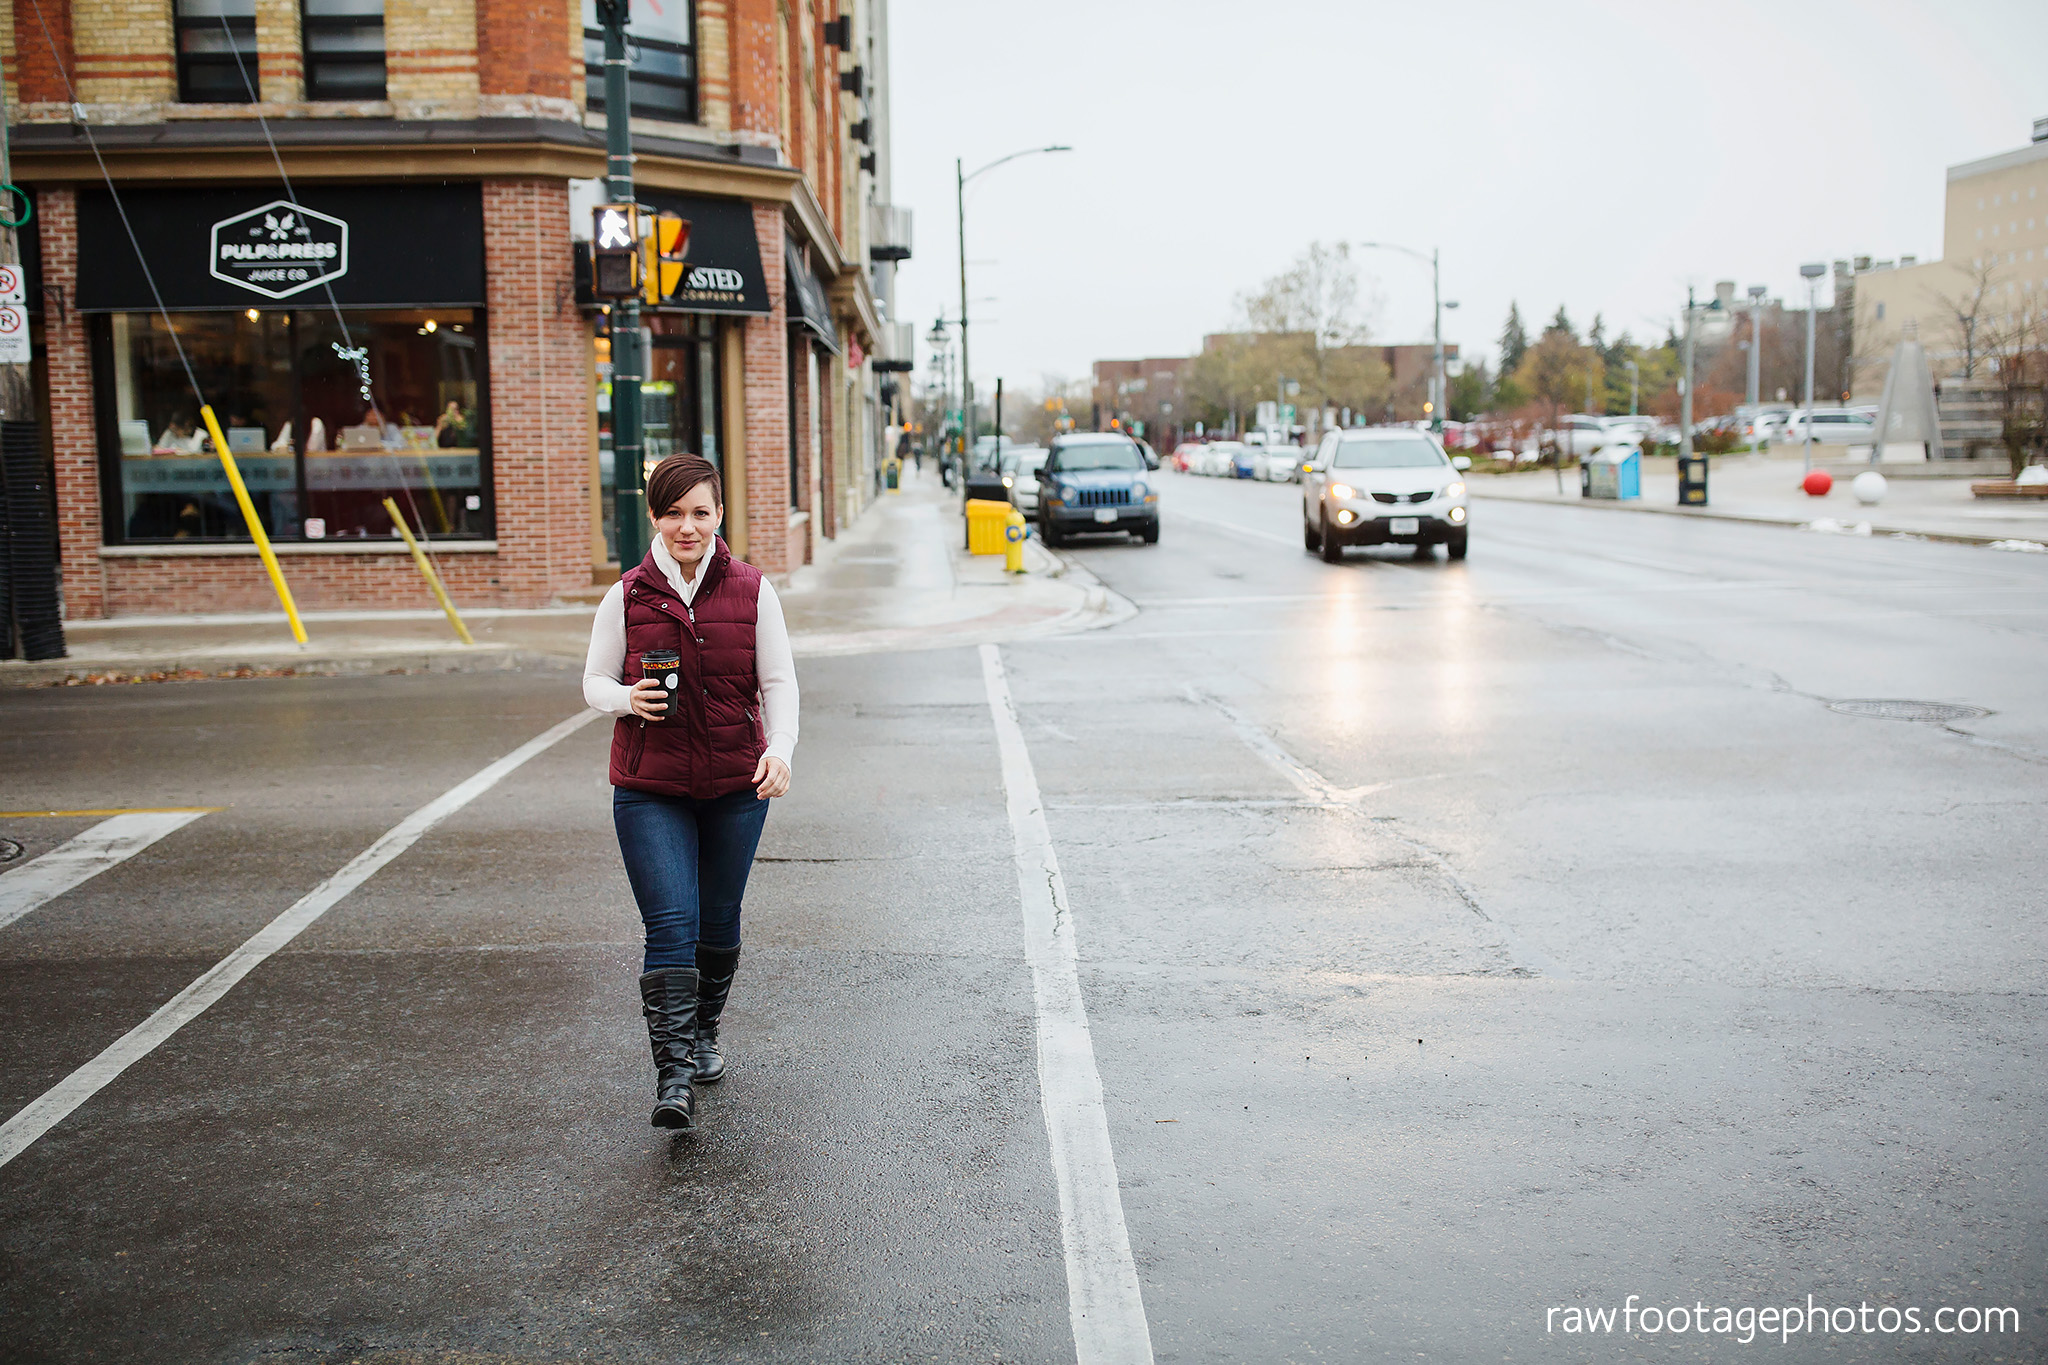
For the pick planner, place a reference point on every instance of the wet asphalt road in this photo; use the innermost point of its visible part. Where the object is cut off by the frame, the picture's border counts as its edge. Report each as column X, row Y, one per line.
column 1459, row 942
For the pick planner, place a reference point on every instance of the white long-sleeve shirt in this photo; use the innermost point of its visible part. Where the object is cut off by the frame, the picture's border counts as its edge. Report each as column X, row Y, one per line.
column 604, row 668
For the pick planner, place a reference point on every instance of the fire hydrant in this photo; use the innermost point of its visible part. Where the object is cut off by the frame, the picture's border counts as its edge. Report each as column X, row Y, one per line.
column 1014, row 533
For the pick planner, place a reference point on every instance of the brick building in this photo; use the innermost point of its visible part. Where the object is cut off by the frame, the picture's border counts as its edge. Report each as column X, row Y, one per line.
column 410, row 316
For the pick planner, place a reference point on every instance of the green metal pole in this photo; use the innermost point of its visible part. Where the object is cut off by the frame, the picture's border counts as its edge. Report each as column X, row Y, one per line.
column 628, row 354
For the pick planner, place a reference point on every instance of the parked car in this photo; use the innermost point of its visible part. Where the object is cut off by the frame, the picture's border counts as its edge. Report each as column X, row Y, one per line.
column 1096, row 481
column 1021, row 466
column 1832, row 426
column 1634, row 426
column 1384, row 486
column 1276, row 463
column 1219, row 459
column 1186, row 456
column 1582, row 434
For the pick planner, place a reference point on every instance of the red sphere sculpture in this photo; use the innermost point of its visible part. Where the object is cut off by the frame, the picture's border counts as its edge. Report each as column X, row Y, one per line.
column 1818, row 483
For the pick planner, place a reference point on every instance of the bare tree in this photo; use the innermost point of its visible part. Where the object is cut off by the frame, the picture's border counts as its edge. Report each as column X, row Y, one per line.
column 1307, row 316
column 1966, row 306
column 2014, row 345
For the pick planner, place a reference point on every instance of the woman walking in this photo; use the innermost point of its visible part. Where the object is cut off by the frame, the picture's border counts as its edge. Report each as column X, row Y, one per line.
column 703, row 741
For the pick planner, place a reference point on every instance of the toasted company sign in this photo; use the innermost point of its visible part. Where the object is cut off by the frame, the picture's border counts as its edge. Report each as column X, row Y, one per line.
column 279, row 249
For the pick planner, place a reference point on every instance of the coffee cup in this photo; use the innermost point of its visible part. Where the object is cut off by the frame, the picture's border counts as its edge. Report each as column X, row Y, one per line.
column 663, row 665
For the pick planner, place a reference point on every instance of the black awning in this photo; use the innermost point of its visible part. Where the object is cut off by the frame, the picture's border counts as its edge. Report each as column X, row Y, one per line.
column 404, row 246
column 806, row 299
column 725, row 255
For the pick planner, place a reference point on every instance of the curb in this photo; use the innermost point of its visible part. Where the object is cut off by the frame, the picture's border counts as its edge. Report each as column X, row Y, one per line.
column 274, row 663
column 1709, row 514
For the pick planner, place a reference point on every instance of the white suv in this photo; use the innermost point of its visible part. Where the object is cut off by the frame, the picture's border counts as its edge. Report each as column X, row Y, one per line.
column 1383, row 486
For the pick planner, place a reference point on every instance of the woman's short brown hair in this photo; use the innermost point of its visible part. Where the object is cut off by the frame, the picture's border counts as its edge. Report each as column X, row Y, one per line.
column 677, row 475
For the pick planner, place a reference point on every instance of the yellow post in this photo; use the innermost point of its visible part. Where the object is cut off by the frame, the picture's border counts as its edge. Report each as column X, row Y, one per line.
column 227, row 462
column 419, row 557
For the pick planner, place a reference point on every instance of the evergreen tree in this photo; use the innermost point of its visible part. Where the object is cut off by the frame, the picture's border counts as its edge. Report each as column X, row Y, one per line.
column 1562, row 325
column 1514, row 342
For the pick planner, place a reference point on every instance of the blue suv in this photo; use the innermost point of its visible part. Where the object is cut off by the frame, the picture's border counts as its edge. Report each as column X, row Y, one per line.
column 1096, row 481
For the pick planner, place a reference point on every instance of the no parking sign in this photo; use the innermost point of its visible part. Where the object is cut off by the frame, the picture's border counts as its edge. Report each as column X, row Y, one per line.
column 14, row 349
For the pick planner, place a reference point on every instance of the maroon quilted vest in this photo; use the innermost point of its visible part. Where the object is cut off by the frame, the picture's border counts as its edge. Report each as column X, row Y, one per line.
column 711, row 743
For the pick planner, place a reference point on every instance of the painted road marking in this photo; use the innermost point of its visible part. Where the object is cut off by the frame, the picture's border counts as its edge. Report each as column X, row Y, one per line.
column 51, row 1108
column 1104, row 1302
column 107, row 844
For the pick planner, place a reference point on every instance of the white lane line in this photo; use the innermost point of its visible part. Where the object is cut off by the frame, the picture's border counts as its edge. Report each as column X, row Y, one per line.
column 1312, row 783
column 107, row 844
column 52, row 1107
column 1320, row 789
column 1104, row 1303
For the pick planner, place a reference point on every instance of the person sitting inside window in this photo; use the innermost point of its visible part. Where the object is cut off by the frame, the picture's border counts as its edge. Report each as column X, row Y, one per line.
column 180, row 438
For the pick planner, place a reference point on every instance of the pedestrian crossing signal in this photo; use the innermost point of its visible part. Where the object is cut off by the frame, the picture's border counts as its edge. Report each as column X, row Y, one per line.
column 667, row 246
column 615, row 251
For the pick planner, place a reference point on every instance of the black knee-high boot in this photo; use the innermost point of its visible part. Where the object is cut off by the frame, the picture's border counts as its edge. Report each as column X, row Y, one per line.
column 715, row 967
column 668, row 998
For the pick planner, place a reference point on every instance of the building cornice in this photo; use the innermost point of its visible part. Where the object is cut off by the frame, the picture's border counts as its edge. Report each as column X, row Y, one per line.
column 386, row 149
column 2004, row 161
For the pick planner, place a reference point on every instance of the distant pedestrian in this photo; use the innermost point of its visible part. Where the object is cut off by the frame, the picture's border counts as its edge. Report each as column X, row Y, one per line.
column 696, row 754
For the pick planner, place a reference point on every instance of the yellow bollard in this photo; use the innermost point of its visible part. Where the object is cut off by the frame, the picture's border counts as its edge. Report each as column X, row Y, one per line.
column 1014, row 532
column 427, row 571
column 227, row 462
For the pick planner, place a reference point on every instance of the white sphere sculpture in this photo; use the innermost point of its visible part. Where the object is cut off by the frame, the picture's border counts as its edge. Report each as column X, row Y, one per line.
column 1868, row 487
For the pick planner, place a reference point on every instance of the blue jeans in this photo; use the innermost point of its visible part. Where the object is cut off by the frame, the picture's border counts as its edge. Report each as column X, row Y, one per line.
column 688, row 862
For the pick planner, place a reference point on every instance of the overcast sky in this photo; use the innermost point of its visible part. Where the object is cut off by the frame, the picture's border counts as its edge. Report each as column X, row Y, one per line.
column 1593, row 153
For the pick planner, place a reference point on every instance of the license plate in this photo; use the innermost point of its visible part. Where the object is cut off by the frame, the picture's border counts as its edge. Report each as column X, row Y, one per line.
column 1105, row 514
column 1403, row 526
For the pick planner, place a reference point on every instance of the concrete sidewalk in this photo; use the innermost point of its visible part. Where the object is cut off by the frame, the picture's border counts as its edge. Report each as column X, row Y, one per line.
column 1765, row 488
column 897, row 579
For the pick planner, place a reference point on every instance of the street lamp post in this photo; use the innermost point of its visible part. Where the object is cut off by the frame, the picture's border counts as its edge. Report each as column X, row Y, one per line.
column 1437, row 306
column 1635, row 385
column 1756, row 349
column 1811, row 274
column 629, row 507
column 960, row 180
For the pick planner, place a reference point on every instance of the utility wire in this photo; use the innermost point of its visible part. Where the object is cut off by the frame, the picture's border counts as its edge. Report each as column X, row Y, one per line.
column 78, row 113
column 326, row 281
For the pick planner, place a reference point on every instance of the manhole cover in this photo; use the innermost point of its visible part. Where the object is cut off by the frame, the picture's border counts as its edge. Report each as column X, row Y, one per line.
column 9, row 850
column 1937, row 711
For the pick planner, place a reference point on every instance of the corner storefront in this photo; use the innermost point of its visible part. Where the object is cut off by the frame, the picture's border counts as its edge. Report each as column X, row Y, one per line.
column 357, row 342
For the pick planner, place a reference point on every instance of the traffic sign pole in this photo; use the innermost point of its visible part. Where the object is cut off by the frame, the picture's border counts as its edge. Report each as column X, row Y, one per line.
column 628, row 354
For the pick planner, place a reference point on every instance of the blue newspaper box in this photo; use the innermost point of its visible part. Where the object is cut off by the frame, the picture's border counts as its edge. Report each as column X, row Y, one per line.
column 1612, row 472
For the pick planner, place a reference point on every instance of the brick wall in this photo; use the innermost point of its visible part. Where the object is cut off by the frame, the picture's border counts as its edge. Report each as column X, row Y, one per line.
column 71, row 407
column 123, row 51
column 519, row 47
column 541, row 391
column 766, row 348
column 714, row 64
column 430, row 57
column 33, row 74
column 280, row 60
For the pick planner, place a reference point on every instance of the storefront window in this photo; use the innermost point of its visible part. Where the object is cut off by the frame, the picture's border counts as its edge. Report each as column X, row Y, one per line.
column 662, row 72
column 678, row 405
column 324, row 425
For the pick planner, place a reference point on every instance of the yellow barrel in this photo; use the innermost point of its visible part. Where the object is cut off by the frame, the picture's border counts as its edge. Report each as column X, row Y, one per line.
column 985, row 521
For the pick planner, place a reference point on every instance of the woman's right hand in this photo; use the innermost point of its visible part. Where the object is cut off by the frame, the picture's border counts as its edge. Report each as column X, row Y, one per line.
column 649, row 700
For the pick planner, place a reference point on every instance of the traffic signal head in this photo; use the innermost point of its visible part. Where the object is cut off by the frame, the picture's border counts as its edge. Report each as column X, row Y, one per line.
column 667, row 246
column 615, row 251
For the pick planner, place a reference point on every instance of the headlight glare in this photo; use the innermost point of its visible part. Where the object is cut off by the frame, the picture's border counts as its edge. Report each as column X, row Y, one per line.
column 1342, row 491
column 1454, row 489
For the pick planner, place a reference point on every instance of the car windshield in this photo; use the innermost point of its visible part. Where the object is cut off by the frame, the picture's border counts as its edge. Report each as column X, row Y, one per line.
column 1079, row 459
column 1023, row 461
column 1413, row 453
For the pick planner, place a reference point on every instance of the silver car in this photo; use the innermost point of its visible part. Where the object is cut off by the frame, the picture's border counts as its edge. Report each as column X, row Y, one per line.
column 1021, row 467
column 1384, row 486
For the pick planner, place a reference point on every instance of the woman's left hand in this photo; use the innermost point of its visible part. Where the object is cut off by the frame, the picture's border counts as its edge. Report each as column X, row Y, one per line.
column 771, row 777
